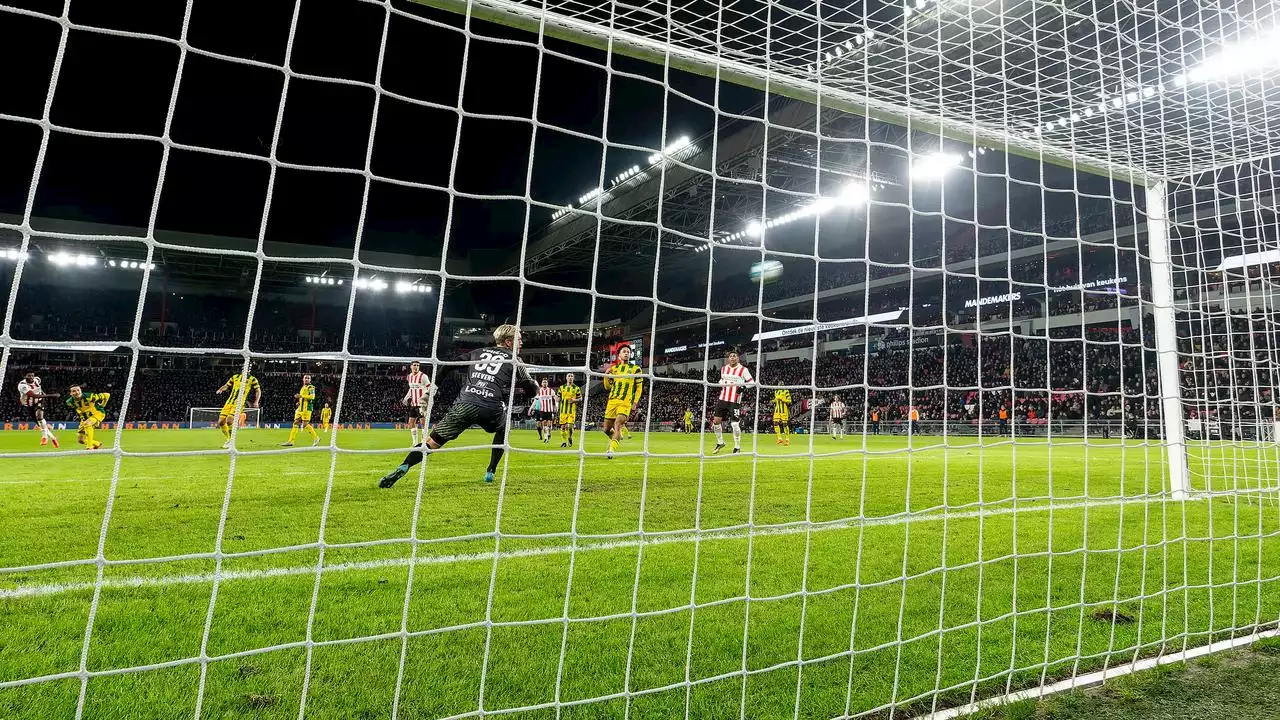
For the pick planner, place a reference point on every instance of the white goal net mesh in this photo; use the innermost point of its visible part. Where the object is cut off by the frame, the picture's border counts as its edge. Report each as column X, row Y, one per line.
column 1003, row 278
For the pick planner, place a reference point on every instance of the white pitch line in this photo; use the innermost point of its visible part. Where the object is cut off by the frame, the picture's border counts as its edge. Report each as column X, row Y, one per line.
column 711, row 460
column 138, row 581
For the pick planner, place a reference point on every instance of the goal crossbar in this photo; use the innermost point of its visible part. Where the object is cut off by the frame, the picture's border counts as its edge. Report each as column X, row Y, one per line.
column 518, row 15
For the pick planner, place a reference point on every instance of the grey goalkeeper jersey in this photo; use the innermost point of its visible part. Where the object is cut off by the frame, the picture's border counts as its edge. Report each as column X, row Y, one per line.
column 489, row 378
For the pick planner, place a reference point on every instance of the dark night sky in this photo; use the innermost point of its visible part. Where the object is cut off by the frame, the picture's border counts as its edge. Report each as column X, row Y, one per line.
column 123, row 85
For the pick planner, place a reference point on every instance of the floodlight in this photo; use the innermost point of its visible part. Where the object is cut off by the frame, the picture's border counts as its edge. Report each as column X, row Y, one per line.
column 933, row 167
column 754, row 229
column 855, row 193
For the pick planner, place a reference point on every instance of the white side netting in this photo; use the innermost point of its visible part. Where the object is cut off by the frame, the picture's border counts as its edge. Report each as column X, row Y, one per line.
column 1058, row 460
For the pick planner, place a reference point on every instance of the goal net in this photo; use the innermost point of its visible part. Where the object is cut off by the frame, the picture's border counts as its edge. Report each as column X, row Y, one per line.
column 208, row 418
column 964, row 314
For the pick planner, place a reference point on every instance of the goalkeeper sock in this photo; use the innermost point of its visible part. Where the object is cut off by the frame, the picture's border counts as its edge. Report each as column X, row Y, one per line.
column 226, row 430
column 719, row 433
column 737, row 434
column 293, row 433
column 415, row 457
column 499, row 443
column 312, row 429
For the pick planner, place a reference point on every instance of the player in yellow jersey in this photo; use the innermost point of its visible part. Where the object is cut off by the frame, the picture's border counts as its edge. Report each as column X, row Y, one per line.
column 782, row 415
column 570, row 394
column 306, row 397
column 326, row 414
column 91, row 409
column 239, row 398
column 625, row 384
column 688, row 420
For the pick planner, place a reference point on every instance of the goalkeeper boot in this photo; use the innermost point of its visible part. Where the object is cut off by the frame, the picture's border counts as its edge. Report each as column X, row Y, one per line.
column 488, row 476
column 390, row 478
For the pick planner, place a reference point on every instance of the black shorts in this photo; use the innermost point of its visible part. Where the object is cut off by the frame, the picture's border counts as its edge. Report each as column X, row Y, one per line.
column 416, row 412
column 727, row 410
column 546, row 416
column 462, row 416
column 837, row 421
column 33, row 412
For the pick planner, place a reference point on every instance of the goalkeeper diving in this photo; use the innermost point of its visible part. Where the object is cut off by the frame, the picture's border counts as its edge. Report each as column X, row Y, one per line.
column 482, row 402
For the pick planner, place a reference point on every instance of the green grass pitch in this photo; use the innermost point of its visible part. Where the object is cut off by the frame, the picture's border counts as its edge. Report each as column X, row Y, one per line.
column 885, row 574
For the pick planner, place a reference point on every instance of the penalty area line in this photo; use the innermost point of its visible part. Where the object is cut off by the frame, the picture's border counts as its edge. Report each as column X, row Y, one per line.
column 148, row 581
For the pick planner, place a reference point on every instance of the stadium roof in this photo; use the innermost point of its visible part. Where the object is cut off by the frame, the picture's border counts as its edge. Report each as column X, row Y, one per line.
column 208, row 258
column 1135, row 91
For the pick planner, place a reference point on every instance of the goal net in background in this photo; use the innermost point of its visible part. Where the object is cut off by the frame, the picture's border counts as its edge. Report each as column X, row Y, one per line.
column 1030, row 249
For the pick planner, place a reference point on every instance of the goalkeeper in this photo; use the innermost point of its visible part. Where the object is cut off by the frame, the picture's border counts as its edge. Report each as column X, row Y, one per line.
column 482, row 402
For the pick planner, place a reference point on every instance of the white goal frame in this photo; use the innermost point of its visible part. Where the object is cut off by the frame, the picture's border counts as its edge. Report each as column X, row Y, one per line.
column 253, row 418
column 1137, row 159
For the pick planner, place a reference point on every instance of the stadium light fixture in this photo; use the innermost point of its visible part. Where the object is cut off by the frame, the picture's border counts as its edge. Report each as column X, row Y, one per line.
column 1246, row 57
column 681, row 143
column 935, row 166
column 855, row 194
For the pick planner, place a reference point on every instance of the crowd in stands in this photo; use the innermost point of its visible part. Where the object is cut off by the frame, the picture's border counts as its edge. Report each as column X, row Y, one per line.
column 929, row 360
column 798, row 279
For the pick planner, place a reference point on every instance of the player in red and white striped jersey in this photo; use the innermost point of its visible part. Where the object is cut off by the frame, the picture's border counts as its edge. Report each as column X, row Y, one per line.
column 418, row 400
column 838, row 411
column 735, row 378
column 545, row 405
column 31, row 397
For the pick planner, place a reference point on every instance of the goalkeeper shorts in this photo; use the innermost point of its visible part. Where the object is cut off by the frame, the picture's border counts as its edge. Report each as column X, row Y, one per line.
column 461, row 416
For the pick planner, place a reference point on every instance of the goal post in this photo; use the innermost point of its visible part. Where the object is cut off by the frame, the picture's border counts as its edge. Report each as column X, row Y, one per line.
column 1032, row 254
column 1167, row 357
column 199, row 418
